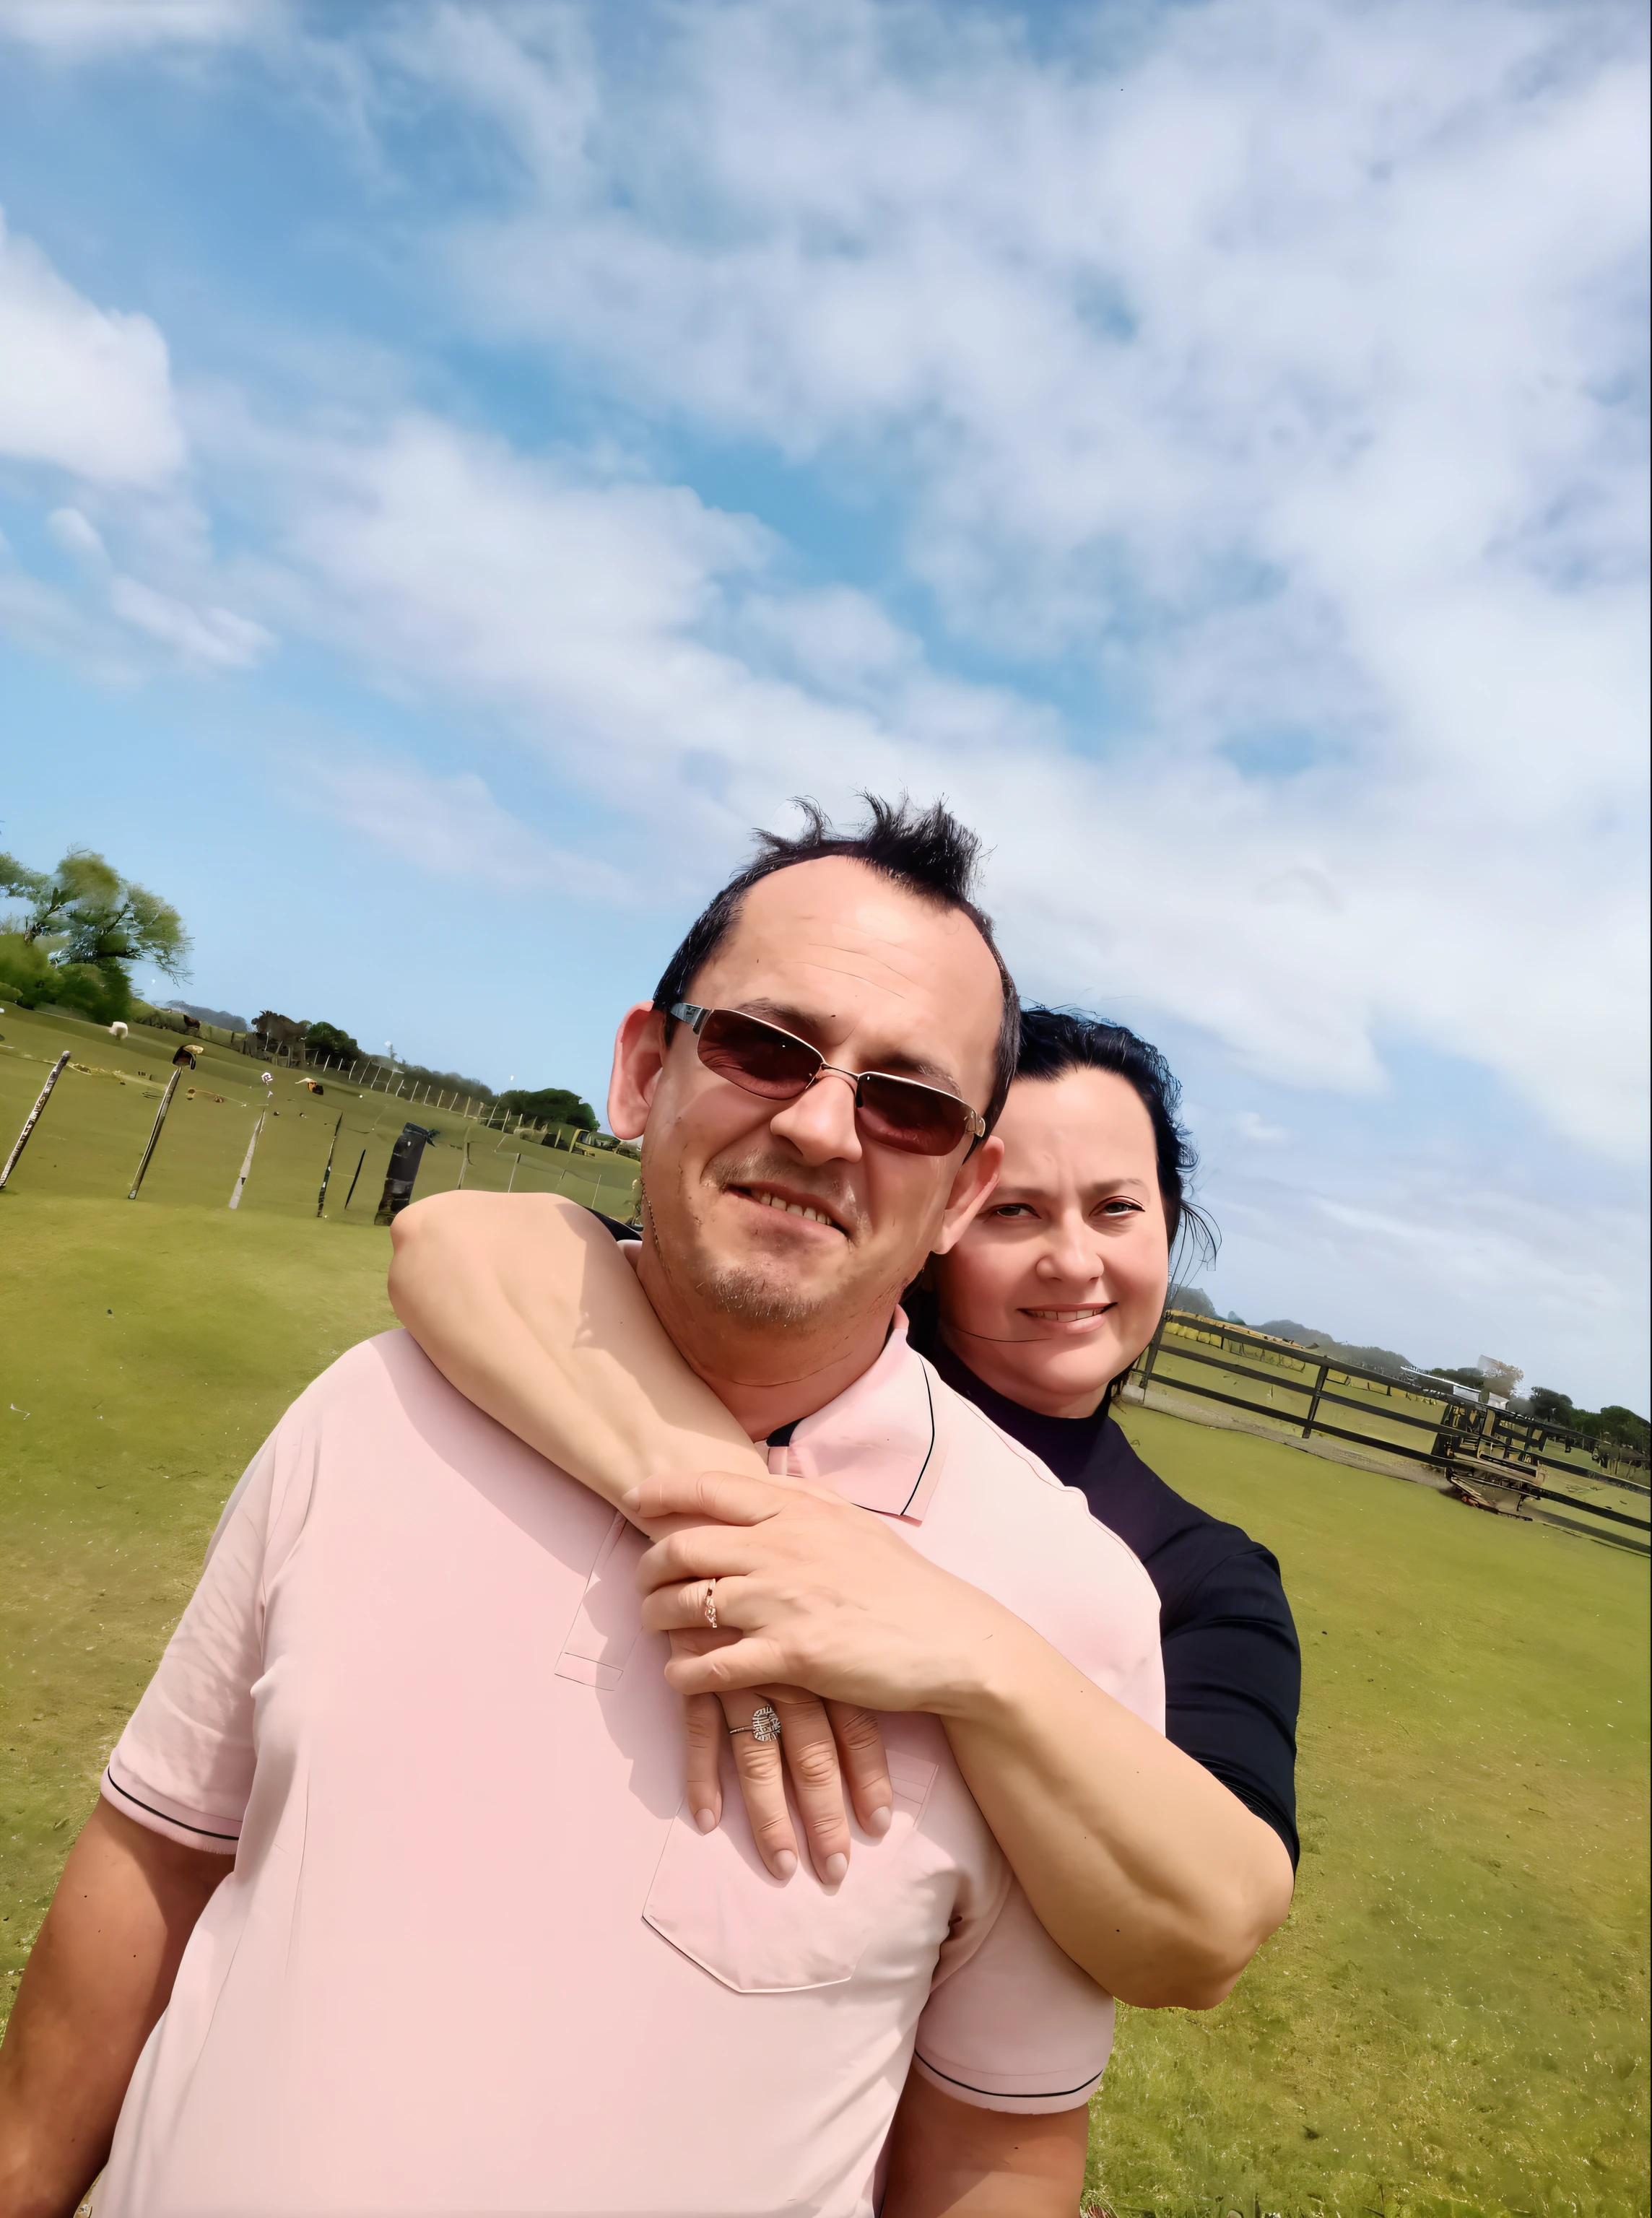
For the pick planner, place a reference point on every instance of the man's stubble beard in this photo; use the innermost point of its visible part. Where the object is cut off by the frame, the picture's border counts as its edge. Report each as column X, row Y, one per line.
column 752, row 1293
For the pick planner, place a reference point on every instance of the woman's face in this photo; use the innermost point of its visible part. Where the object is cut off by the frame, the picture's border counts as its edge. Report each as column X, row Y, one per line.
column 1060, row 1283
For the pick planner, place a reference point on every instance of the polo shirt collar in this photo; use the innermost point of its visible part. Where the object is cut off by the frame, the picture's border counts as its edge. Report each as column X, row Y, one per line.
column 879, row 1444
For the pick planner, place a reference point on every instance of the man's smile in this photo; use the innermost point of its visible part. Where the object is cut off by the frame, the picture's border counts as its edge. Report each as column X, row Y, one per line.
column 812, row 1211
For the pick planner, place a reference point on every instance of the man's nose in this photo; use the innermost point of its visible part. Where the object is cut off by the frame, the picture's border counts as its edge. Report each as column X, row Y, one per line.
column 820, row 1123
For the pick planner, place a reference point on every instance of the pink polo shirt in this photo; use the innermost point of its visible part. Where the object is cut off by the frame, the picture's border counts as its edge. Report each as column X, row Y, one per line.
column 472, row 1955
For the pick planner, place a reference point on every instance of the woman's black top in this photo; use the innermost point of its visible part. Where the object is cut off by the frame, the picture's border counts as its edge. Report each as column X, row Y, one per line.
column 1232, row 1670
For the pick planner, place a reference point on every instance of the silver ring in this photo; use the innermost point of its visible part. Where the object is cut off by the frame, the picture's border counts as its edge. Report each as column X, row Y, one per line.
column 708, row 1604
column 765, row 1725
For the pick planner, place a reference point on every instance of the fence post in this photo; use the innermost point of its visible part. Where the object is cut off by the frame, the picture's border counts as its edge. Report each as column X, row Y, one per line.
column 1152, row 1355
column 34, row 1116
column 1313, row 1406
column 155, row 1132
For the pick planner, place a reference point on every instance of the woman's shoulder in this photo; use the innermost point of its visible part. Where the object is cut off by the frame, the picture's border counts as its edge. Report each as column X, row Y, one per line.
column 1197, row 1559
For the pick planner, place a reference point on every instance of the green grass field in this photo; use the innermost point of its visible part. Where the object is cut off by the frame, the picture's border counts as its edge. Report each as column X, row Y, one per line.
column 92, row 1135
column 1454, row 2022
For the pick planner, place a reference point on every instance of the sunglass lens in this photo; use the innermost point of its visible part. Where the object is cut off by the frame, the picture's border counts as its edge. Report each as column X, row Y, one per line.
column 755, row 1055
column 920, row 1119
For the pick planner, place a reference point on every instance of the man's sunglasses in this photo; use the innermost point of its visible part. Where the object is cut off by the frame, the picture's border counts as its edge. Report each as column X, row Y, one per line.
column 897, row 1112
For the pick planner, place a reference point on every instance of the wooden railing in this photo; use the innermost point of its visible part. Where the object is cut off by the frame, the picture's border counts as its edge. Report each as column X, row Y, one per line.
column 1444, row 1433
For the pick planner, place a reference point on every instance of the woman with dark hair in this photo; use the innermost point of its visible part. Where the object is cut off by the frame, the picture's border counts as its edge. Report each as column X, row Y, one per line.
column 1158, row 1870
column 1038, row 1316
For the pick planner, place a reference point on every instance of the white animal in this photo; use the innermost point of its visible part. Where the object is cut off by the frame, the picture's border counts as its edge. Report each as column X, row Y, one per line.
column 118, row 1029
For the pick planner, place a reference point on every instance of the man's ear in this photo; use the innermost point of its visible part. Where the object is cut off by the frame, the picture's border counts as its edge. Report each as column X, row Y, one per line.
column 977, row 1173
column 639, row 1056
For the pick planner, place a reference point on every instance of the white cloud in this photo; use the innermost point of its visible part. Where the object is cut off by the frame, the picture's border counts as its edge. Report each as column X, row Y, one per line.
column 1280, row 365
column 1256, row 1131
column 85, row 388
column 77, row 28
column 77, row 536
column 1424, row 1256
column 647, row 645
column 451, row 827
column 216, row 638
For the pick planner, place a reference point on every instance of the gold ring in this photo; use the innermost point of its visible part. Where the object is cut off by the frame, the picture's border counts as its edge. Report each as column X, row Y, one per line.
column 708, row 1604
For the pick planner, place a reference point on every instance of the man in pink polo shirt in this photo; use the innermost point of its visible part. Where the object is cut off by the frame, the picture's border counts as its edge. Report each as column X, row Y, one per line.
column 469, row 1955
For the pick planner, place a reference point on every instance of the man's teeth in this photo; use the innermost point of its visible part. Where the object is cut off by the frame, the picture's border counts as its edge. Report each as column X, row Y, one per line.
column 793, row 1209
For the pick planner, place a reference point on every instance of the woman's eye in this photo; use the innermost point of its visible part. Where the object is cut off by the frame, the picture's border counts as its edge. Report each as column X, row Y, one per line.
column 1118, row 1207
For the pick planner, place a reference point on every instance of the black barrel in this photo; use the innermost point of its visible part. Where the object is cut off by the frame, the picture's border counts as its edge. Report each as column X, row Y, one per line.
column 403, row 1169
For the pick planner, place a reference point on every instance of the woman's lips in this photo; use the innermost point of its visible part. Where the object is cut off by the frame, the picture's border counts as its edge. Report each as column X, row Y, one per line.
column 1073, row 1320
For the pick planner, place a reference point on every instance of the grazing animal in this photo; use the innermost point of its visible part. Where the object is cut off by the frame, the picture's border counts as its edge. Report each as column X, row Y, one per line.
column 190, row 1024
column 118, row 1029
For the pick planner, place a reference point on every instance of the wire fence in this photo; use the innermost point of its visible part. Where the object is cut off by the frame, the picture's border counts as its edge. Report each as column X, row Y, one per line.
column 126, row 1119
column 376, row 1076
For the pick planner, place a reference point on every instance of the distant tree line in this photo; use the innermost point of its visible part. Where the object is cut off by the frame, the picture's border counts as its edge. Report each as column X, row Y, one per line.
column 1195, row 1302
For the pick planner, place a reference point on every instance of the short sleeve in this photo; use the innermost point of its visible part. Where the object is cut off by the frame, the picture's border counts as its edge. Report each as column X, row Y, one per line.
column 1016, row 2025
column 183, row 1766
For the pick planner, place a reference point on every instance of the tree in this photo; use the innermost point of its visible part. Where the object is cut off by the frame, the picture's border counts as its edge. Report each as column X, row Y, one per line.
column 550, row 1105
column 278, row 1031
column 1617, row 1423
column 1551, row 1407
column 84, row 913
column 95, row 915
column 333, row 1040
column 1500, row 1378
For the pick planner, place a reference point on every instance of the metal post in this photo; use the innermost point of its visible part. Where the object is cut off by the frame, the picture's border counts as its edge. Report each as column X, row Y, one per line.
column 327, row 1171
column 515, row 1168
column 33, row 1117
column 155, row 1131
column 350, row 1196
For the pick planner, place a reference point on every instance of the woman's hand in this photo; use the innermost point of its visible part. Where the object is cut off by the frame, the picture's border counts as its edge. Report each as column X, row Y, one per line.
column 820, row 1595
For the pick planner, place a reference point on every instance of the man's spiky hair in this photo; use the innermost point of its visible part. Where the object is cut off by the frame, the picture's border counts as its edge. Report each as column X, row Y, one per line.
column 926, row 851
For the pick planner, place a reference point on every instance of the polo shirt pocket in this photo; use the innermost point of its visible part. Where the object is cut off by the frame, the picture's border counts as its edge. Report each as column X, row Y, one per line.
column 609, row 1616
column 713, row 1898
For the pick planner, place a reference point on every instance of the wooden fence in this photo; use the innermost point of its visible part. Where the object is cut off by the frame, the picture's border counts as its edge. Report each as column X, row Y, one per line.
column 1453, row 1436
column 378, row 1077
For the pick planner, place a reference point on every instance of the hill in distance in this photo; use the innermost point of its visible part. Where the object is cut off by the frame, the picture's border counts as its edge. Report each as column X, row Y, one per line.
column 1195, row 1302
column 231, row 1024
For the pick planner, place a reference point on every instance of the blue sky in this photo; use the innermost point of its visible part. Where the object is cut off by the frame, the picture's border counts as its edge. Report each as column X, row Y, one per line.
column 461, row 467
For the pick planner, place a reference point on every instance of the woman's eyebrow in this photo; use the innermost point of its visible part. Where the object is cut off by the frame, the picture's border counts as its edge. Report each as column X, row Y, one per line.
column 1030, row 1189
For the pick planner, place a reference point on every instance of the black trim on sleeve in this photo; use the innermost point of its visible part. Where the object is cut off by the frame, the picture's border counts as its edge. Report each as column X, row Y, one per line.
column 165, row 1816
column 1039, row 2094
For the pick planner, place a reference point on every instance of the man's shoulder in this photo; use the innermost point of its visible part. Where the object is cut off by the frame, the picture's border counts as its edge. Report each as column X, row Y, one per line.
column 388, row 1391
column 1010, row 1482
column 377, row 1370
column 1003, row 1521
